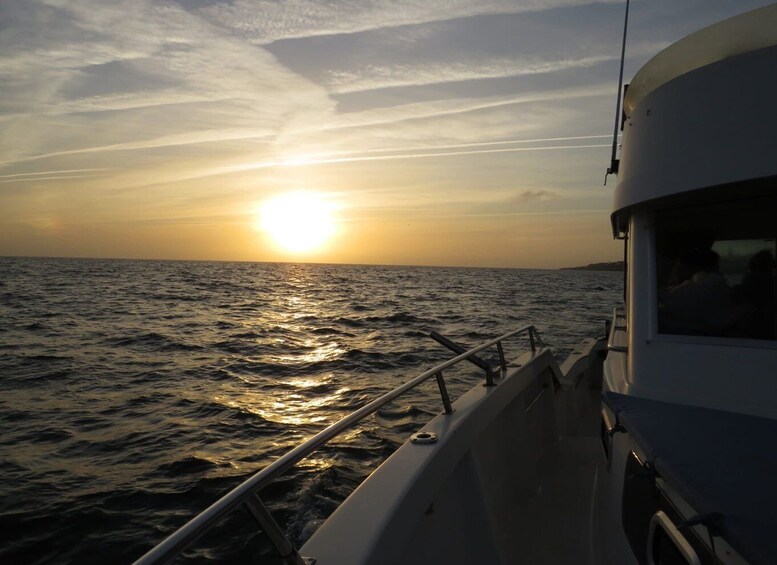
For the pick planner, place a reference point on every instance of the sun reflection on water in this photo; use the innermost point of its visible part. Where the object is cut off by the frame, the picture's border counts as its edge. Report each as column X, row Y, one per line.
column 291, row 408
column 325, row 352
column 314, row 463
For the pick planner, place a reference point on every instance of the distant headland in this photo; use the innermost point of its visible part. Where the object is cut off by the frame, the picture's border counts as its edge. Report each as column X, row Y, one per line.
column 614, row 266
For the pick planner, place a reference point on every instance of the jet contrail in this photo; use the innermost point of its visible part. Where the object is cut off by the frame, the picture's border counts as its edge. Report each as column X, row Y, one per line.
column 28, row 179
column 296, row 162
column 50, row 173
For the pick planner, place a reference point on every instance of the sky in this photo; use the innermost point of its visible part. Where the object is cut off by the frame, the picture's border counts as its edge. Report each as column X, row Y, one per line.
column 428, row 132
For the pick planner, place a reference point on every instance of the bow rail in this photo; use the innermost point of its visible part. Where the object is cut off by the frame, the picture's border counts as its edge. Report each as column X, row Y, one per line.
column 247, row 492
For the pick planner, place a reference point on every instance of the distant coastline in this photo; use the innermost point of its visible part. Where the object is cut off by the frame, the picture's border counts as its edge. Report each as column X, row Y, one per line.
column 613, row 266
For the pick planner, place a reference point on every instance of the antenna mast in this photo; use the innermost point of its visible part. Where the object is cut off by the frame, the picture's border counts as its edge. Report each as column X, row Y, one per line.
column 613, row 169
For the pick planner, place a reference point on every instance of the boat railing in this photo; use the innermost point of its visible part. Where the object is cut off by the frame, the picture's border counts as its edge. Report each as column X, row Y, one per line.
column 618, row 314
column 246, row 494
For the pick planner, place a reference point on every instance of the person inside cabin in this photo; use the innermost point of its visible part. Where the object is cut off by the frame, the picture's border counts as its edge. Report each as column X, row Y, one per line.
column 698, row 299
column 757, row 294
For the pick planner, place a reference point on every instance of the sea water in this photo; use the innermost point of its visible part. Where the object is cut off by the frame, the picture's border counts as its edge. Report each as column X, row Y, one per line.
column 134, row 393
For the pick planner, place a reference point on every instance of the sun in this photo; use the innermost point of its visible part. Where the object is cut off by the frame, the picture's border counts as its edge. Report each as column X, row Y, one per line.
column 298, row 222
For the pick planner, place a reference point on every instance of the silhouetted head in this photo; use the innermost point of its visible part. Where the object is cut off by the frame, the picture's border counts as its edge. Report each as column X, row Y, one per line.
column 761, row 261
column 704, row 260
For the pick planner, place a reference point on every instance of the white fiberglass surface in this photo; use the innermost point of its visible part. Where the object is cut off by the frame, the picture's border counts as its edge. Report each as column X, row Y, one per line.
column 744, row 33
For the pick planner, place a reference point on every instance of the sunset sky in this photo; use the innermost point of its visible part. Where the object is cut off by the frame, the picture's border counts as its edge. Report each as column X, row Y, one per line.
column 434, row 132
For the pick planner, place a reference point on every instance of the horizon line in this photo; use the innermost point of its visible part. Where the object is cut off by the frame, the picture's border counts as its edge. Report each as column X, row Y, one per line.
column 322, row 263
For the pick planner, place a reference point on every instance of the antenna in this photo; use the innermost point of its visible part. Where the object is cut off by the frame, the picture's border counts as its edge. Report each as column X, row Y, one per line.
column 613, row 169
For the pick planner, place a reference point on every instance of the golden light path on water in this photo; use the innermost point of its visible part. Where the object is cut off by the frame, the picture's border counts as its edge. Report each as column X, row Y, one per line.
column 305, row 399
column 298, row 406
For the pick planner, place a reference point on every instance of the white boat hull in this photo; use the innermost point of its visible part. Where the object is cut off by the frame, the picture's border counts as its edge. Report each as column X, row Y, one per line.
column 510, row 478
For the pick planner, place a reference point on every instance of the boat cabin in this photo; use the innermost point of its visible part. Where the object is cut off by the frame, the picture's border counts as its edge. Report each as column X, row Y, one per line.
column 689, row 390
column 696, row 203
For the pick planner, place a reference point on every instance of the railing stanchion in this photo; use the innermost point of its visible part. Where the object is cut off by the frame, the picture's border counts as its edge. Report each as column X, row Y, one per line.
column 502, row 360
column 531, row 340
column 273, row 531
column 490, row 377
column 446, row 401
column 538, row 337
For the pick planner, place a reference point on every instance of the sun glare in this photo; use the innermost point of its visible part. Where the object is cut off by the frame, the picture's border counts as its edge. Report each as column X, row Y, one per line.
column 298, row 222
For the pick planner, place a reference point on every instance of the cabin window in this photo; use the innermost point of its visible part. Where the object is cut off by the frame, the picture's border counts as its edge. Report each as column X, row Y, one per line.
column 715, row 269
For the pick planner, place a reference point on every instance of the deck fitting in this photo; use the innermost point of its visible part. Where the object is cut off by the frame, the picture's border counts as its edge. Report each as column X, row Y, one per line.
column 424, row 437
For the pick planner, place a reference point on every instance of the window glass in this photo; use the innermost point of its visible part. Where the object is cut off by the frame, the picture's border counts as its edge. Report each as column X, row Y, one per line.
column 716, row 269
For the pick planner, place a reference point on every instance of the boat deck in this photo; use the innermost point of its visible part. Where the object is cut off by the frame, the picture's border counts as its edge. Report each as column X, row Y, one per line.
column 721, row 463
column 554, row 523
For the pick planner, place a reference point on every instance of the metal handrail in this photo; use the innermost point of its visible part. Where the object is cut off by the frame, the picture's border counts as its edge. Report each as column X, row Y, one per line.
column 245, row 493
column 614, row 328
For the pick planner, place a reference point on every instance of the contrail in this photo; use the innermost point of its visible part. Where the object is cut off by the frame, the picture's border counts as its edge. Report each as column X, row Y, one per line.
column 305, row 161
column 306, row 158
column 50, row 173
column 492, row 143
column 49, row 178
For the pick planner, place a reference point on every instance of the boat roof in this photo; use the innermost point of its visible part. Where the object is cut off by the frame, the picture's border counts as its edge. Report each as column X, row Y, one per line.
column 735, row 36
column 699, row 116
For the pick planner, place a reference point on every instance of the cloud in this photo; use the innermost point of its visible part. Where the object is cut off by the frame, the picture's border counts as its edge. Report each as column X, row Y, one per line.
column 450, row 106
column 533, row 196
column 267, row 21
column 138, row 75
column 377, row 77
column 419, row 72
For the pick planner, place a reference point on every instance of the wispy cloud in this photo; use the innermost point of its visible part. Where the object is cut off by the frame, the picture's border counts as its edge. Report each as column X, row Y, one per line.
column 377, row 77
column 138, row 76
column 421, row 72
column 266, row 21
column 129, row 75
column 534, row 196
column 451, row 106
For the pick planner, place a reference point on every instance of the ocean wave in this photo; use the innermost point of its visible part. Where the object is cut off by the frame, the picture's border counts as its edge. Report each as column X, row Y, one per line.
column 43, row 358
column 350, row 322
column 327, row 330
column 173, row 297
column 151, row 341
column 55, row 375
column 9, row 414
column 46, row 435
column 38, row 327
column 187, row 465
column 395, row 318
column 402, row 412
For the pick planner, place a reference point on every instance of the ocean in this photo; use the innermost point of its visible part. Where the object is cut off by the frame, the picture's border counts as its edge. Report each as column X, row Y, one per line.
column 135, row 393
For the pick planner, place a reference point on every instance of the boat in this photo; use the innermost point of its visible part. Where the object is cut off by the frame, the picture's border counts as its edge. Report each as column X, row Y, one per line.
column 651, row 444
